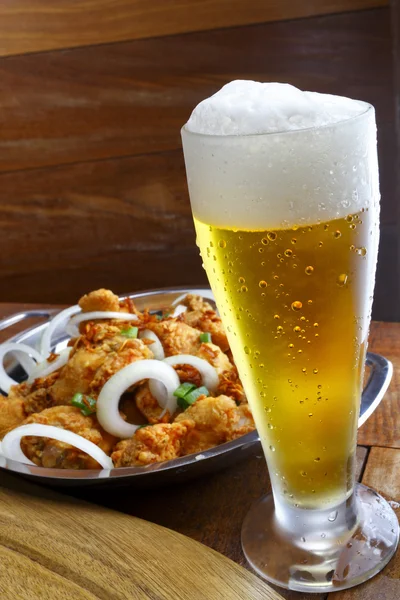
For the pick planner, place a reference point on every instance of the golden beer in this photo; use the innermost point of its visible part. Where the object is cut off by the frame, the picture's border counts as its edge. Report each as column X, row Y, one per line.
column 293, row 302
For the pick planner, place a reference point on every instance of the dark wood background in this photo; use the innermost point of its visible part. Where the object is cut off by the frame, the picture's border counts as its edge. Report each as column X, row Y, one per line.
column 92, row 98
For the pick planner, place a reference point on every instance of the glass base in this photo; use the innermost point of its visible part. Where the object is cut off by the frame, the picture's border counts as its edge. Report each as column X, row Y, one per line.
column 321, row 551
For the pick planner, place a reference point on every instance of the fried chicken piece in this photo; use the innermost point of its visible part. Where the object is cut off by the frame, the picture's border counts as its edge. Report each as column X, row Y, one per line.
column 214, row 355
column 216, row 420
column 12, row 413
column 99, row 300
column 200, row 314
column 176, row 337
column 49, row 453
column 151, row 444
column 149, row 406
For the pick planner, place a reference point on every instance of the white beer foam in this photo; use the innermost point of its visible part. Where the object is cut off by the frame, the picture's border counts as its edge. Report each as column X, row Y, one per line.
column 320, row 164
column 249, row 107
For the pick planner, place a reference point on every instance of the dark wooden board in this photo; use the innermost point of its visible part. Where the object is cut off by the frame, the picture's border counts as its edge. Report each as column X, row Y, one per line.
column 37, row 25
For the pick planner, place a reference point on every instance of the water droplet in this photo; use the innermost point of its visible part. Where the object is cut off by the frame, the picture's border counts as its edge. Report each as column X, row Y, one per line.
column 323, row 535
column 362, row 251
column 309, row 302
column 279, row 329
column 262, row 284
column 302, row 319
column 319, row 386
column 297, row 329
column 309, row 270
column 264, row 241
column 211, row 245
column 326, row 227
column 244, row 288
column 315, row 371
column 242, row 280
column 222, row 243
column 349, row 218
column 304, row 370
column 272, row 448
column 303, row 473
column 293, row 240
column 303, row 539
column 288, row 253
column 261, row 250
column 321, row 244
column 271, row 235
column 297, row 305
column 337, row 234
column 310, row 414
column 247, row 350
column 289, row 380
column 352, row 226
column 291, row 346
column 270, row 426
column 342, row 279
column 317, row 459
column 333, row 516
column 299, row 351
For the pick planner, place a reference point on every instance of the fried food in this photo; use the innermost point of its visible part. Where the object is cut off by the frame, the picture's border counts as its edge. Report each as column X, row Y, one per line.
column 49, row 453
column 101, row 350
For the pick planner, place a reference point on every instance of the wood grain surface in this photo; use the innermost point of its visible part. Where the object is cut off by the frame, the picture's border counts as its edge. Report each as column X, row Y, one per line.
column 121, row 99
column 37, row 25
column 382, row 428
column 83, row 551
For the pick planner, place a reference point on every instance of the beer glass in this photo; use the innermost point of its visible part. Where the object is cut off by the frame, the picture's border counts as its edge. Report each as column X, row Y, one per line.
column 288, row 225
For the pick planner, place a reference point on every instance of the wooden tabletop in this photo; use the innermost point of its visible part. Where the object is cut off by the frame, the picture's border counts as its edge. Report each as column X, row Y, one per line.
column 211, row 509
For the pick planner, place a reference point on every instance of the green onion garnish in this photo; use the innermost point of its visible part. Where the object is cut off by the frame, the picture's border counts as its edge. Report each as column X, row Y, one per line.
column 86, row 404
column 191, row 396
column 130, row 332
column 205, row 337
column 184, row 389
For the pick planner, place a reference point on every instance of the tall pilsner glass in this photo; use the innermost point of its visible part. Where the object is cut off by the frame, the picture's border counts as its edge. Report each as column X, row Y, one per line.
column 288, row 227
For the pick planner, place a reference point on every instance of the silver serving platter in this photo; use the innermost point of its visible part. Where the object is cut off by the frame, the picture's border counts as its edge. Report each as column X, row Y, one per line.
column 180, row 469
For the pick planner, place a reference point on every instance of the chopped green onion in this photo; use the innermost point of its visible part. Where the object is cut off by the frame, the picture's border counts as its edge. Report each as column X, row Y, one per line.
column 86, row 404
column 205, row 337
column 191, row 397
column 184, row 389
column 130, row 332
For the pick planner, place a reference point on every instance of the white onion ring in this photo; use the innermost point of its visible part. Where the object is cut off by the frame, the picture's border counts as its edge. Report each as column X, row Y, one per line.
column 72, row 327
column 178, row 310
column 159, row 392
column 11, row 443
column 156, row 347
column 208, row 373
column 5, row 380
column 45, row 343
column 108, row 400
column 45, row 368
column 179, row 299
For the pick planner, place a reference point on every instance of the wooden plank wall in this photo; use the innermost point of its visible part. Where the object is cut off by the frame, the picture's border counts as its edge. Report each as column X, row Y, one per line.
column 92, row 98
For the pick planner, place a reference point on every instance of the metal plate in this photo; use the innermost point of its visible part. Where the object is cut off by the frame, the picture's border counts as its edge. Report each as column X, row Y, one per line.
column 187, row 467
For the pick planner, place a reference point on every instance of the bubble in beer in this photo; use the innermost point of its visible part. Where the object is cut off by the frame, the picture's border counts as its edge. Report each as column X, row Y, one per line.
column 264, row 241
column 352, row 226
column 242, row 280
column 293, row 240
column 222, row 243
column 297, row 329
column 291, row 346
column 288, row 253
column 315, row 371
column 271, row 235
column 302, row 319
column 321, row 244
column 244, row 288
column 303, row 474
column 316, row 324
column 349, row 218
column 317, row 459
column 247, row 350
column 362, row 251
column 310, row 414
column 261, row 250
column 279, row 329
column 304, row 370
column 297, row 305
column 337, row 234
column 270, row 426
column 342, row 279
column 326, row 227
column 309, row 270
column 276, row 277
column 272, row 448
column 262, row 284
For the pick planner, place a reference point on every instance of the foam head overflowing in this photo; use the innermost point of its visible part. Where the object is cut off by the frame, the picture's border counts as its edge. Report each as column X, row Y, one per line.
column 317, row 161
column 250, row 107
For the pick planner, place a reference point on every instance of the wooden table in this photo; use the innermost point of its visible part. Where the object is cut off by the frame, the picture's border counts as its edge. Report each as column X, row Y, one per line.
column 211, row 510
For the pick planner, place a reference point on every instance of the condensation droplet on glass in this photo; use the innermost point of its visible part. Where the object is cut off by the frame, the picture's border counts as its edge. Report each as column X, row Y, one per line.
column 244, row 288
column 272, row 448
column 342, row 279
column 315, row 371
column 264, row 241
column 222, row 243
column 333, row 516
column 247, row 350
column 309, row 270
column 262, row 284
column 271, row 235
column 297, row 305
column 288, row 253
column 297, row 329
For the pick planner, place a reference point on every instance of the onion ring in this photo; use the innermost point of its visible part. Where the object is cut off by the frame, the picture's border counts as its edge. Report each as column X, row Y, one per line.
column 45, row 368
column 108, row 400
column 11, row 443
column 45, row 343
column 156, row 347
column 5, row 380
column 178, row 311
column 72, row 327
column 207, row 371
